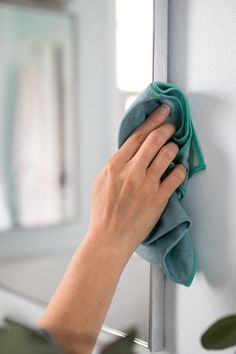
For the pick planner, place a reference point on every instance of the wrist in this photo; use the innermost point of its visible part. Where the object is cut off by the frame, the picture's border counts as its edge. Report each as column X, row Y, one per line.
column 110, row 243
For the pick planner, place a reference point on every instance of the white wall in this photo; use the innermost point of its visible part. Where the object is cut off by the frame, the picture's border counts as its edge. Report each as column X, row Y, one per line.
column 202, row 61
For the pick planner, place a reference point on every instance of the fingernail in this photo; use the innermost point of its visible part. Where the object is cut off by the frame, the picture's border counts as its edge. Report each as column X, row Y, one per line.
column 164, row 108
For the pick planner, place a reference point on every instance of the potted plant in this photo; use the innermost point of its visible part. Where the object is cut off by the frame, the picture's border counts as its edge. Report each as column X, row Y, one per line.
column 16, row 338
column 221, row 334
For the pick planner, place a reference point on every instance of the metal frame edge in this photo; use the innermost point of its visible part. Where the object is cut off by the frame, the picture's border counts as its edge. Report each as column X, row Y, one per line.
column 156, row 325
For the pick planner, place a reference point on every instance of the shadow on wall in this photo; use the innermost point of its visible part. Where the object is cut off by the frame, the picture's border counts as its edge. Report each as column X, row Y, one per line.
column 207, row 188
column 210, row 228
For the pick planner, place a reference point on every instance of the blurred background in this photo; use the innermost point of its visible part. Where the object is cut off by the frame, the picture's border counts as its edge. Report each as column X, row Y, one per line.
column 68, row 71
column 37, row 115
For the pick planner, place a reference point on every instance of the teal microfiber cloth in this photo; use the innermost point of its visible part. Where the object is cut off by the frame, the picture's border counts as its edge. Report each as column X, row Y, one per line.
column 169, row 245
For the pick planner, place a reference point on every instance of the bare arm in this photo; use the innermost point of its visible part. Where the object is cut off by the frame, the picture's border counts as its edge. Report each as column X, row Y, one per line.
column 128, row 199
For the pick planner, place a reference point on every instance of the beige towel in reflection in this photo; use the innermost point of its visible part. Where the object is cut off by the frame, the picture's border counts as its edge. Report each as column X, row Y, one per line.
column 37, row 140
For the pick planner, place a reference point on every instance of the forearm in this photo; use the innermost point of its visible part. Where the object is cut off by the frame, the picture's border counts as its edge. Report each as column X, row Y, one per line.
column 77, row 311
column 128, row 198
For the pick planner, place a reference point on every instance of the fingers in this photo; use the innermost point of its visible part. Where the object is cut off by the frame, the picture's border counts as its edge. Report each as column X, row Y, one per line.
column 172, row 182
column 163, row 159
column 152, row 144
column 133, row 143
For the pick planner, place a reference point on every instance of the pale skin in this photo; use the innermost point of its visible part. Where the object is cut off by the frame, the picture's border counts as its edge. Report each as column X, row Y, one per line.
column 128, row 199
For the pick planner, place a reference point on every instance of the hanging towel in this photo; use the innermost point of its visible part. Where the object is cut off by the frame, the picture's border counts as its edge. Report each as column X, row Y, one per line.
column 169, row 245
column 37, row 139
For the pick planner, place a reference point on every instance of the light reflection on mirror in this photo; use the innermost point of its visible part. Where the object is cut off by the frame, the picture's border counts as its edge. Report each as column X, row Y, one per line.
column 133, row 36
column 134, row 47
column 36, row 118
column 134, row 44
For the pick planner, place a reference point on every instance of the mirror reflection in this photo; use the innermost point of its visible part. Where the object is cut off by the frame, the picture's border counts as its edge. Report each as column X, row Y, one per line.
column 44, row 56
column 36, row 118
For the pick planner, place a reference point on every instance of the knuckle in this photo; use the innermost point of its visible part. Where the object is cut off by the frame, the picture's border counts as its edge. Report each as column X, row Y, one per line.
column 132, row 178
column 170, row 126
column 109, row 168
column 174, row 146
column 138, row 136
column 132, row 175
column 169, row 151
column 180, row 172
column 157, row 137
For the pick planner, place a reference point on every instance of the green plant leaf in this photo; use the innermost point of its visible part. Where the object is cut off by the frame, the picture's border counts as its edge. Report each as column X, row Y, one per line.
column 123, row 345
column 16, row 338
column 222, row 334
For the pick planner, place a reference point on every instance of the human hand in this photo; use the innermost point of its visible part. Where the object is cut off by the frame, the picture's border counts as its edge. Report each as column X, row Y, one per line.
column 128, row 196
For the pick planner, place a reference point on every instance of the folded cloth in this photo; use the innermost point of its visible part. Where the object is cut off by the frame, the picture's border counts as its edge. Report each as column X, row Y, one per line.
column 169, row 245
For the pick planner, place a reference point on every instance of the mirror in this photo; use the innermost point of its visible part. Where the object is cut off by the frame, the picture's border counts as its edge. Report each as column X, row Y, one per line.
column 67, row 78
column 36, row 117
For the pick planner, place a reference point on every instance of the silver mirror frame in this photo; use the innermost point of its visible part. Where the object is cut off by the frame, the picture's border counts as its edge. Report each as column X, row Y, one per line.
column 156, row 328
